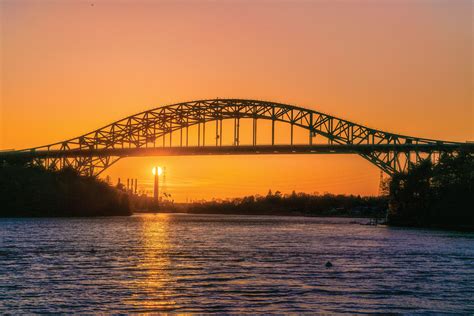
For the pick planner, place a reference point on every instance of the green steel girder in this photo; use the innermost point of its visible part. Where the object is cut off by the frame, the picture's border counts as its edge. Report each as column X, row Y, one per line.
column 143, row 129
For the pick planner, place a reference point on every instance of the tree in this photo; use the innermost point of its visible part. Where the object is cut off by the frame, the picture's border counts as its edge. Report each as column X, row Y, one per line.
column 439, row 195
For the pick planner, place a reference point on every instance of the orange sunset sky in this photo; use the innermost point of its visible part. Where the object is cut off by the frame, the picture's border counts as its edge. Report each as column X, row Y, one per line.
column 68, row 67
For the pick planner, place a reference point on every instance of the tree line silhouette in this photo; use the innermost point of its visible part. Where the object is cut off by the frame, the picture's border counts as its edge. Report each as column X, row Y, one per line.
column 300, row 204
column 438, row 195
column 35, row 191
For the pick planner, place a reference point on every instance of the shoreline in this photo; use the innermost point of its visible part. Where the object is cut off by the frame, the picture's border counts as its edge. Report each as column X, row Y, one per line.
column 256, row 214
column 466, row 229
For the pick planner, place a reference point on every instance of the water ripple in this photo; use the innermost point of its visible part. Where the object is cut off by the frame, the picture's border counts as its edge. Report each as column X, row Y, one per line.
column 231, row 264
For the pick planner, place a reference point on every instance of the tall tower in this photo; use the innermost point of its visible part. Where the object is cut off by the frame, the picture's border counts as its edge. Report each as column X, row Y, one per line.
column 155, row 187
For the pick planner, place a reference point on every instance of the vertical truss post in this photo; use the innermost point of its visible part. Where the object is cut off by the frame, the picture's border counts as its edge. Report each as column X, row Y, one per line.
column 351, row 133
column 187, row 130
column 410, row 158
column 291, row 134
column 147, row 139
column 330, row 132
column 273, row 125
column 396, row 162
column 217, row 132
column 236, row 131
column 171, row 133
column 154, row 135
column 112, row 131
column 254, row 134
column 199, row 134
column 181, row 136
column 137, row 144
column 220, row 132
column 407, row 161
column 204, row 133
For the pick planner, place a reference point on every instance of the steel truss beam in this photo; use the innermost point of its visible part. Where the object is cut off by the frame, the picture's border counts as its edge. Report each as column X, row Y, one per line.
column 94, row 152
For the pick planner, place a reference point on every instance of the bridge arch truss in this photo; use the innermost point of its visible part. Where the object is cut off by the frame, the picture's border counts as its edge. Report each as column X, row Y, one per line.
column 94, row 152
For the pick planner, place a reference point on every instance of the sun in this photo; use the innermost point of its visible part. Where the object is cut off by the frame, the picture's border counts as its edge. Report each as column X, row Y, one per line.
column 160, row 171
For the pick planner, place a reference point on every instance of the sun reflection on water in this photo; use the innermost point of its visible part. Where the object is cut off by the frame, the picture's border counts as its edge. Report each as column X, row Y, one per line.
column 151, row 285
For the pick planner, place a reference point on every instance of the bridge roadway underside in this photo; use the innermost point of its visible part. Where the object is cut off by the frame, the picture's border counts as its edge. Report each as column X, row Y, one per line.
column 233, row 150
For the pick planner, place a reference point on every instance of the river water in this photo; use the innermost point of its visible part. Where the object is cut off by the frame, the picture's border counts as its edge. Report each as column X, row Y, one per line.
column 223, row 263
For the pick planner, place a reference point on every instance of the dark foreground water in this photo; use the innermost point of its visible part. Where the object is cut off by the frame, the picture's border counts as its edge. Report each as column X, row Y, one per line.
column 213, row 263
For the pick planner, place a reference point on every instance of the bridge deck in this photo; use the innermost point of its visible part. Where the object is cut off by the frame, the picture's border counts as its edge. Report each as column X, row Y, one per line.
column 236, row 150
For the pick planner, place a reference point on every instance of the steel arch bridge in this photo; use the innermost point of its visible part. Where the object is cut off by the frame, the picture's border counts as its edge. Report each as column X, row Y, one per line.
column 146, row 134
